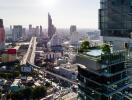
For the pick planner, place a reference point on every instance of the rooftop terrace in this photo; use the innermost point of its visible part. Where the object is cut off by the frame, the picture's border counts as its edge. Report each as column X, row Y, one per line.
column 94, row 60
column 98, row 56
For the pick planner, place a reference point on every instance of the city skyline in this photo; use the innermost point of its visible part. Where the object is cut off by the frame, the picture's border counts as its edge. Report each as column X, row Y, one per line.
column 66, row 50
column 84, row 13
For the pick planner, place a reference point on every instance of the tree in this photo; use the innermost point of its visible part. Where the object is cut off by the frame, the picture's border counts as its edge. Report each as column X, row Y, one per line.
column 48, row 84
column 105, row 48
column 0, row 95
column 84, row 46
column 16, row 96
column 27, row 93
column 39, row 92
column 16, row 73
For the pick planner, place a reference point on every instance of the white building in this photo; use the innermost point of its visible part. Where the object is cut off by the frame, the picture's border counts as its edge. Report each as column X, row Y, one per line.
column 74, row 38
column 52, row 55
column 68, row 71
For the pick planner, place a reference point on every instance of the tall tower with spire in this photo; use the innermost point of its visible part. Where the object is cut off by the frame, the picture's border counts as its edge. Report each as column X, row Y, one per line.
column 51, row 27
column 2, row 35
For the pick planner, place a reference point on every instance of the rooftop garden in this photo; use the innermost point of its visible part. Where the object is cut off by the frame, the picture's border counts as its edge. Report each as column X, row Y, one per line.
column 85, row 47
column 101, row 53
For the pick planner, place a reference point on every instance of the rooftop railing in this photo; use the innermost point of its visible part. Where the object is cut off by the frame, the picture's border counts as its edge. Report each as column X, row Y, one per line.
column 107, row 59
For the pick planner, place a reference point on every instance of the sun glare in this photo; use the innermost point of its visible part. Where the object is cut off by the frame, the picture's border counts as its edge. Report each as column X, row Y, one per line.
column 49, row 3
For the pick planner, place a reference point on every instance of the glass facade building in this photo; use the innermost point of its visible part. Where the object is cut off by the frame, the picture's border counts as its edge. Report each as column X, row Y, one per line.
column 115, row 18
column 104, row 77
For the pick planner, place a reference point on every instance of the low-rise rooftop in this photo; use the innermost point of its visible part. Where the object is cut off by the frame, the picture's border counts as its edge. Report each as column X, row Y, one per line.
column 70, row 96
column 70, row 67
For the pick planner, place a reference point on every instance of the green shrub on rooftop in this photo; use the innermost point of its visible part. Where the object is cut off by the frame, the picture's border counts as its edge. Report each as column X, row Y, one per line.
column 106, row 48
column 84, row 46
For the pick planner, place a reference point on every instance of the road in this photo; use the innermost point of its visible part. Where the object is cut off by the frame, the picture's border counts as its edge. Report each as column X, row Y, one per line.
column 32, row 50
column 30, row 55
column 29, row 59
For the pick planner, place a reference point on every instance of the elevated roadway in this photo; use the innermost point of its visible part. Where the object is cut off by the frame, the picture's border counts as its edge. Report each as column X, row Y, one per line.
column 30, row 55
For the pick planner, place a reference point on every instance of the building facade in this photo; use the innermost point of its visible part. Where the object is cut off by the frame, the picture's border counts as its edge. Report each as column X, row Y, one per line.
column 2, row 35
column 74, row 36
column 41, row 31
column 56, row 40
column 115, row 21
column 51, row 27
column 73, row 28
column 24, row 34
column 104, row 77
column 30, row 30
column 74, row 40
column 17, row 32
column 53, row 55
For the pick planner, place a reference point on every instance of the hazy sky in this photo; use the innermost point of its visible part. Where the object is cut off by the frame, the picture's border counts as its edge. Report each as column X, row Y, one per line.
column 83, row 13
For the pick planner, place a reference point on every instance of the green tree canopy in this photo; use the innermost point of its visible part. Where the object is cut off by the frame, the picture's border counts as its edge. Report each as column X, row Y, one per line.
column 27, row 93
column 39, row 92
column 105, row 48
column 84, row 46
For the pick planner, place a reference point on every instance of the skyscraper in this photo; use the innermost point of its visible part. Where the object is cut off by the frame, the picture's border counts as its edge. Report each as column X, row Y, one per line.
column 24, row 35
column 107, row 76
column 2, row 35
column 41, row 31
column 16, row 32
column 51, row 27
column 116, row 22
column 74, row 36
column 37, row 31
column 104, row 76
column 30, row 30
column 73, row 29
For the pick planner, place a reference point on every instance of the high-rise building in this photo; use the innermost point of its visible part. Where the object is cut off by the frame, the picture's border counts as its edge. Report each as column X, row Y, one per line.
column 17, row 32
column 51, row 27
column 74, row 35
column 41, row 31
column 24, row 35
column 74, row 38
column 107, row 76
column 10, row 29
column 2, row 35
column 37, row 31
column 30, row 26
column 30, row 30
column 104, row 76
column 73, row 29
column 116, row 22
